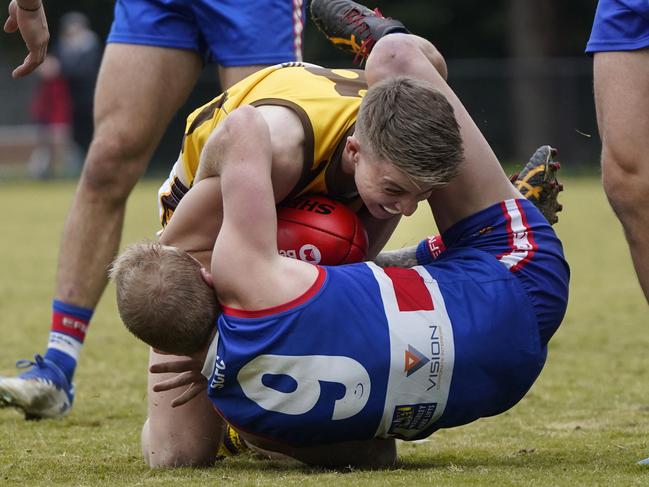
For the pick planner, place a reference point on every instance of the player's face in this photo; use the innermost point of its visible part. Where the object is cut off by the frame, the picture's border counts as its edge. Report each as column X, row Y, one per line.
column 386, row 190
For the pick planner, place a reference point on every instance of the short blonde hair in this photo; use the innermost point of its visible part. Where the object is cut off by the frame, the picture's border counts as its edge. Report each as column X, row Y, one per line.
column 162, row 298
column 410, row 123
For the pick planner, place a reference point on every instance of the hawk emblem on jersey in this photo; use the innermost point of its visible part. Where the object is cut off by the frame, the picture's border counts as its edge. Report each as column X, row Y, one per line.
column 415, row 360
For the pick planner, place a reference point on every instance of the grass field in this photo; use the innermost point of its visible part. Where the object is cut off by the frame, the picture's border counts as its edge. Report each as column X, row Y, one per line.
column 585, row 422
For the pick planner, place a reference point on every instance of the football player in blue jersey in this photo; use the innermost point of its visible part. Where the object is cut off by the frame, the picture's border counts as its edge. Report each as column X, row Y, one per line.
column 306, row 357
column 156, row 51
column 619, row 42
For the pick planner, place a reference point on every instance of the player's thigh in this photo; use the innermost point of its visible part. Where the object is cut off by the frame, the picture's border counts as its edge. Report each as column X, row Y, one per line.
column 622, row 100
column 139, row 89
column 187, row 435
column 233, row 74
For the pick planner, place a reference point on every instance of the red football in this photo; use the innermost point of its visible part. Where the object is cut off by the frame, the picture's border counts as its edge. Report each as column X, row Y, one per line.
column 320, row 230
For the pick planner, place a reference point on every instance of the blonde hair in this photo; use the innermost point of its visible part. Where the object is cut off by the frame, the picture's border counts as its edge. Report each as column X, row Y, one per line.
column 162, row 298
column 410, row 123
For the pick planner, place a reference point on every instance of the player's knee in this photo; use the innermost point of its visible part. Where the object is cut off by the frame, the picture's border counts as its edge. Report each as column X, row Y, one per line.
column 113, row 165
column 398, row 53
column 626, row 183
column 170, row 454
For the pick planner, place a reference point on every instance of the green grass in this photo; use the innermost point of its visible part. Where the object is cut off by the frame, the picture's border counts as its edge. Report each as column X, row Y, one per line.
column 585, row 422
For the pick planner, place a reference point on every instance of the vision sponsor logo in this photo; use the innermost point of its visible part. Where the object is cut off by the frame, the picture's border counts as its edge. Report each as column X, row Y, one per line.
column 435, row 363
column 218, row 374
column 414, row 360
column 411, row 419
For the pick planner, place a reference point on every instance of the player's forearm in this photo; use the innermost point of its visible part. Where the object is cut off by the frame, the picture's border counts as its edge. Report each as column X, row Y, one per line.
column 406, row 257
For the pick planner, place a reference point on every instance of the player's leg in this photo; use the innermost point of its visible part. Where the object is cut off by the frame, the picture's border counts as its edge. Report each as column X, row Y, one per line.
column 231, row 75
column 252, row 40
column 392, row 52
column 138, row 90
column 188, row 435
column 622, row 100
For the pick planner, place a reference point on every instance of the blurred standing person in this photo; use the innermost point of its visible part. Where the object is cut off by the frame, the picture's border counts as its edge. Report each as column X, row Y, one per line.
column 51, row 109
column 155, row 53
column 28, row 17
column 79, row 51
column 620, row 43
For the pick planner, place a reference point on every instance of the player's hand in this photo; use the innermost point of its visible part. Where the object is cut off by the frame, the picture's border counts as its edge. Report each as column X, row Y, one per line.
column 188, row 372
column 34, row 31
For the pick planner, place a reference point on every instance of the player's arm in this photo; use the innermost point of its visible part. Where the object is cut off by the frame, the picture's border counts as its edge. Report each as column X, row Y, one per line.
column 247, row 270
column 197, row 219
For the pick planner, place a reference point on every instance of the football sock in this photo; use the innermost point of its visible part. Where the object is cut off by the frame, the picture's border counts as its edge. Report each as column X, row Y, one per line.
column 68, row 331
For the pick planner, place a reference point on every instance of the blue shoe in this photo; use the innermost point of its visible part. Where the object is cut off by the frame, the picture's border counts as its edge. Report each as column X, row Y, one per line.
column 41, row 392
column 644, row 462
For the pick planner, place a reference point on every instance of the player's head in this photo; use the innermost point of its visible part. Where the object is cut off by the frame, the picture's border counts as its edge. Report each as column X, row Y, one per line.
column 163, row 299
column 406, row 142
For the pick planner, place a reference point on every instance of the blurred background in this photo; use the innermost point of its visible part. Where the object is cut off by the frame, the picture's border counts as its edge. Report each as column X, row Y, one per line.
column 518, row 65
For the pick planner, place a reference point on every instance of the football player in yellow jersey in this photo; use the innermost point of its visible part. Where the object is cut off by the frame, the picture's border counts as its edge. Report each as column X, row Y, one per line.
column 313, row 112
column 412, row 140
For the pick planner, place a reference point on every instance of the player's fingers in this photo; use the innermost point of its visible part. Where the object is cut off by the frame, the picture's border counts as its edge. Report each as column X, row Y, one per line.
column 191, row 392
column 11, row 25
column 23, row 69
column 29, row 64
column 174, row 366
column 179, row 380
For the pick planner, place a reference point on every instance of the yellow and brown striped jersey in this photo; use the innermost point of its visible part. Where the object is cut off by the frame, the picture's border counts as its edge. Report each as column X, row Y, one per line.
column 326, row 102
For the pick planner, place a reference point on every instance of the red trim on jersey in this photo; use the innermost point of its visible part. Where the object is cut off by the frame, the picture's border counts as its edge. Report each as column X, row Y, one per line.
column 435, row 245
column 410, row 289
column 530, row 239
column 303, row 298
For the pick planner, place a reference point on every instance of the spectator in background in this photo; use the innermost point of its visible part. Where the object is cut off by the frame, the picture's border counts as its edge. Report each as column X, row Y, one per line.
column 51, row 110
column 28, row 17
column 79, row 50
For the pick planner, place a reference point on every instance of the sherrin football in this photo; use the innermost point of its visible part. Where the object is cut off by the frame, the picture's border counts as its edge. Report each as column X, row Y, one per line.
column 320, row 230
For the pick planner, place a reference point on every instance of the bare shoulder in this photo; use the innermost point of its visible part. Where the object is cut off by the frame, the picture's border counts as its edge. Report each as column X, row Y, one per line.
column 287, row 142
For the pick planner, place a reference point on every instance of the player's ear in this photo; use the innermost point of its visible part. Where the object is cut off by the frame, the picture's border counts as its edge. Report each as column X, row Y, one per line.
column 352, row 147
column 207, row 277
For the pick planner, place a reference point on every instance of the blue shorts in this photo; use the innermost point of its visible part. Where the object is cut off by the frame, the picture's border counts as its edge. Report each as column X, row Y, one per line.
column 518, row 235
column 228, row 32
column 620, row 25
